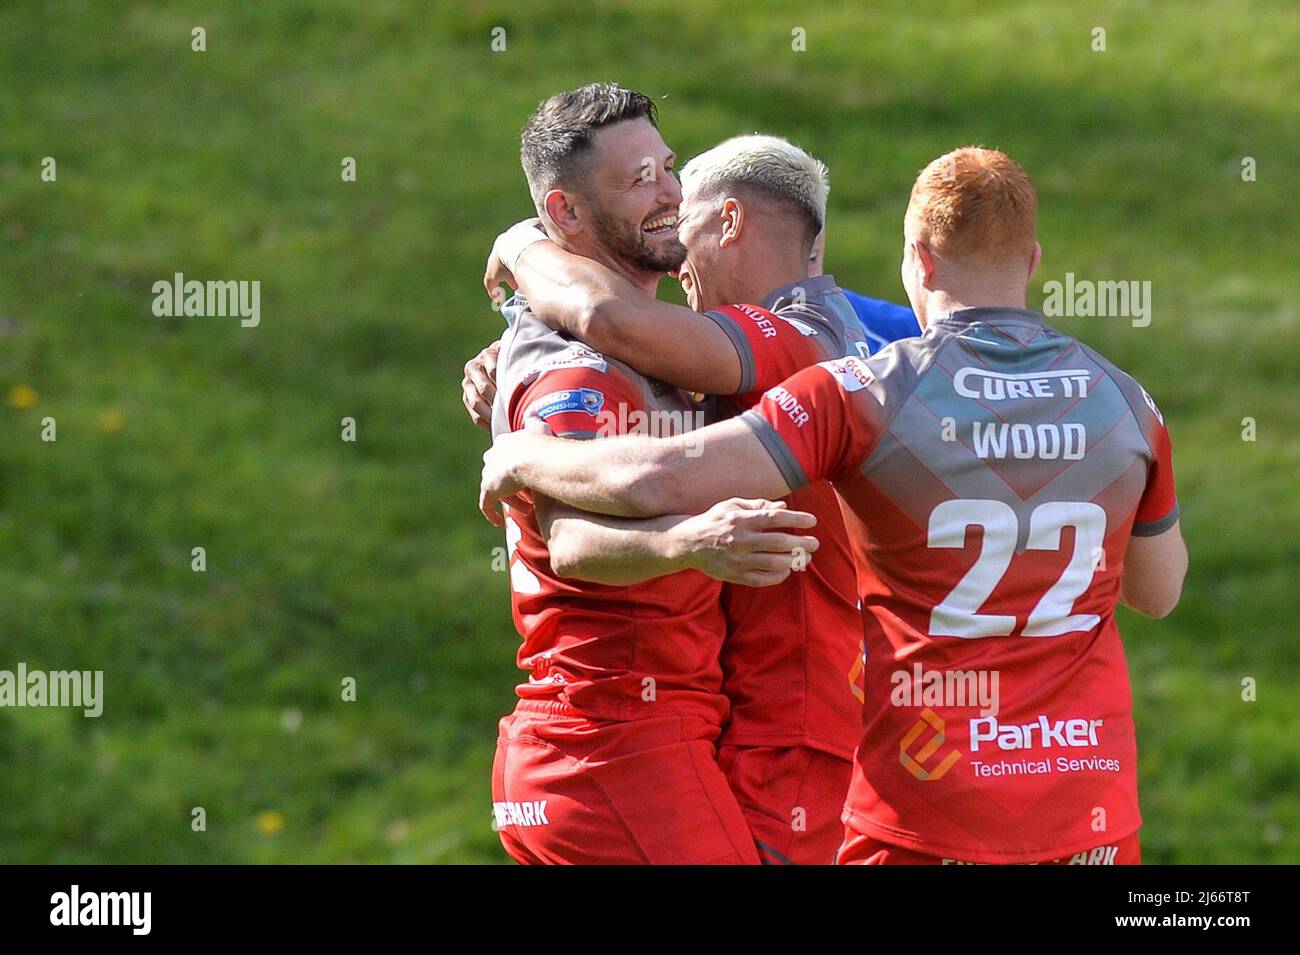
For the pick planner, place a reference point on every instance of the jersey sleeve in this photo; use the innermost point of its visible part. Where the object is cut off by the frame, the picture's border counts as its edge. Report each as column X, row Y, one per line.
column 771, row 348
column 578, row 402
column 1158, row 509
column 819, row 423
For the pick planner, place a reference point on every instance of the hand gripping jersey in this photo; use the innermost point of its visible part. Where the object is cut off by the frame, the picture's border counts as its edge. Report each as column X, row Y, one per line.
column 613, row 653
column 992, row 473
column 791, row 661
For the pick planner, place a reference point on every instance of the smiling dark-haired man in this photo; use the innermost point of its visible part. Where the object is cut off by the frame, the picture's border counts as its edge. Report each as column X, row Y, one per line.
column 609, row 756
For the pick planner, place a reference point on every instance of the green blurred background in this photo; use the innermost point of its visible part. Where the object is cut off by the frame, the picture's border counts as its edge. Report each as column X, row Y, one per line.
column 329, row 560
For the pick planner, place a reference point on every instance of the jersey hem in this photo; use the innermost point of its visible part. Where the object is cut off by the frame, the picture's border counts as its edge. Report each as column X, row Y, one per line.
column 559, row 706
column 875, row 830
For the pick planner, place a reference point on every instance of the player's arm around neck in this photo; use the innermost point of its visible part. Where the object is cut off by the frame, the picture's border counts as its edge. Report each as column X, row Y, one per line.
column 580, row 296
column 1154, row 569
column 632, row 475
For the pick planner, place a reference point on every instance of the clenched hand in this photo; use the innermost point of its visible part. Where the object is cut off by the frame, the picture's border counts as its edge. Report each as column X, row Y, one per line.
column 479, row 386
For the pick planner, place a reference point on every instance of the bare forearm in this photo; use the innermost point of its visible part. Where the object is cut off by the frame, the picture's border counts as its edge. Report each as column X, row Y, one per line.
column 582, row 297
column 635, row 476
column 754, row 543
column 572, row 293
column 617, row 551
column 628, row 476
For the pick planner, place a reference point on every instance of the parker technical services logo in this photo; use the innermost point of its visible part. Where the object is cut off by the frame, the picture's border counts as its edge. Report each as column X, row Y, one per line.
column 953, row 689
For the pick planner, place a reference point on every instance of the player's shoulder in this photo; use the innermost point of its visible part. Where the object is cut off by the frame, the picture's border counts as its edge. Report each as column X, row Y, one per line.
column 851, row 372
column 529, row 349
column 818, row 303
column 804, row 307
column 554, row 373
column 901, row 364
column 888, row 379
column 1139, row 399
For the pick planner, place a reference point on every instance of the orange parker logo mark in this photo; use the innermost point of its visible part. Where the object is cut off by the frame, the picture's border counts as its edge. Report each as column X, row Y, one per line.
column 857, row 673
column 931, row 720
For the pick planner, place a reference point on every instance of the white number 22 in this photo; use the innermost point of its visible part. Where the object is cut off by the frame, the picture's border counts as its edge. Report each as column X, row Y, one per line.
column 958, row 615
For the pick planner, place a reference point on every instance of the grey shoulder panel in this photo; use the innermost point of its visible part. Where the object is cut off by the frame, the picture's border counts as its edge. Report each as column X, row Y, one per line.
column 528, row 349
column 1140, row 403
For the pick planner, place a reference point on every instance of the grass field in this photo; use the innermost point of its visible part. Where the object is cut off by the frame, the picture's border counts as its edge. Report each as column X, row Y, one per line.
column 329, row 559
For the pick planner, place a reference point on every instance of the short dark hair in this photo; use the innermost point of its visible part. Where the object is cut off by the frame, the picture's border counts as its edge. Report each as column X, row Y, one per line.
column 561, row 129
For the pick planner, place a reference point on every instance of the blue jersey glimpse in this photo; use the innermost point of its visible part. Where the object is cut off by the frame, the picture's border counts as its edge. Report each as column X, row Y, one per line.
column 882, row 322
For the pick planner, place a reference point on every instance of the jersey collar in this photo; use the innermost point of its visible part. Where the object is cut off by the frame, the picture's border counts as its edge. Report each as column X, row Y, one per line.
column 515, row 306
column 992, row 315
column 816, row 287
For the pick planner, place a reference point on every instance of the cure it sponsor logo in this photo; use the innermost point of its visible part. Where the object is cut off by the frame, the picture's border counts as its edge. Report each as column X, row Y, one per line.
column 988, row 385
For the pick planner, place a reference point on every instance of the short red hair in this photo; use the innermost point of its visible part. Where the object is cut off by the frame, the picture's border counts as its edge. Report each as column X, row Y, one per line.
column 975, row 203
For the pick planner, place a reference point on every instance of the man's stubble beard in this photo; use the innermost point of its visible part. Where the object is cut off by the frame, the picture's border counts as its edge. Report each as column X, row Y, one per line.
column 628, row 244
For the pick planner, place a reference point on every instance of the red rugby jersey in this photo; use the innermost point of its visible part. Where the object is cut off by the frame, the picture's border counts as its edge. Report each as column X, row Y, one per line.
column 792, row 661
column 992, row 473
column 614, row 653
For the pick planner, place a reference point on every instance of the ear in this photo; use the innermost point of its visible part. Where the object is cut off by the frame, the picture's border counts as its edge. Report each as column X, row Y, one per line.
column 1034, row 259
column 733, row 221
column 560, row 208
column 925, row 258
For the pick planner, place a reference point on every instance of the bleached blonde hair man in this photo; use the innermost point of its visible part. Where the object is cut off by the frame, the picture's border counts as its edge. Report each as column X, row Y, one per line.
column 752, row 205
column 751, row 208
column 766, row 165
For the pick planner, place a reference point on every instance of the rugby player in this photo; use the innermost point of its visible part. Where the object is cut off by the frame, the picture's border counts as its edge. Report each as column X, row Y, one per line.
column 1005, row 487
column 751, row 209
column 609, row 755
